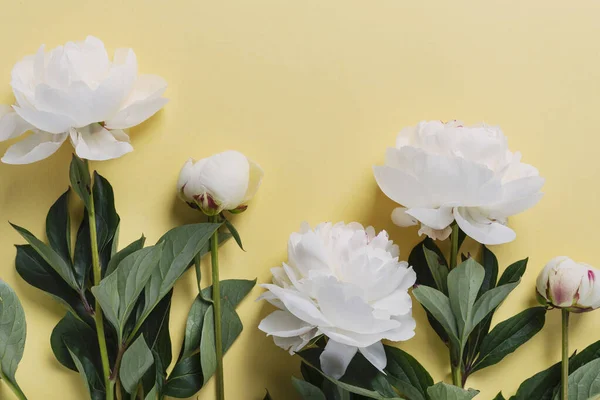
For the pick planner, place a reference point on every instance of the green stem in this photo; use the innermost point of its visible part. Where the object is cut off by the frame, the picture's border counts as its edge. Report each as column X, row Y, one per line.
column 457, row 375
column 14, row 387
column 98, row 310
column 216, row 294
column 454, row 246
column 565, row 355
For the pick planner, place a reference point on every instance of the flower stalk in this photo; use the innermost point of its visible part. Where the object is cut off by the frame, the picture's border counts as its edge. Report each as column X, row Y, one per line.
column 565, row 356
column 216, row 295
column 98, row 310
column 456, row 365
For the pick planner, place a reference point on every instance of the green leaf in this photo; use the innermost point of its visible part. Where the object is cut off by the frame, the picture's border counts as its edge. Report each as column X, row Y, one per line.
column 334, row 392
column 73, row 335
column 234, row 233
column 156, row 330
column 508, row 335
column 438, row 305
column 232, row 291
column 490, row 264
column 268, row 396
column 439, row 271
column 82, row 256
column 306, row 390
column 584, row 382
column 513, row 272
column 186, row 378
column 58, row 227
column 406, row 374
column 89, row 376
column 443, row 391
column 231, row 329
column 50, row 256
column 499, row 396
column 107, row 219
column 38, row 273
column 120, row 255
column 490, row 300
column 79, row 175
column 464, row 283
column 119, row 291
column 361, row 377
column 180, row 246
column 13, row 331
column 589, row 354
column 137, row 359
column 541, row 385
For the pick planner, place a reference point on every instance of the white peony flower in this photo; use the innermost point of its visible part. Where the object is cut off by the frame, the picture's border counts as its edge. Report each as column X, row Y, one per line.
column 564, row 283
column 445, row 172
column 76, row 91
column 345, row 282
column 224, row 181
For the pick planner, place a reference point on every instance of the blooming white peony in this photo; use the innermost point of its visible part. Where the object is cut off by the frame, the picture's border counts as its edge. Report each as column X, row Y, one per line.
column 224, row 181
column 345, row 282
column 75, row 91
column 445, row 172
column 564, row 283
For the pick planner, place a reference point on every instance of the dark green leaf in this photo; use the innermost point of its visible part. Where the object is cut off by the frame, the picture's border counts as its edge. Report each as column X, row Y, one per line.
column 589, row 354
column 234, row 233
column 82, row 256
column 79, row 337
column 89, row 375
column 490, row 264
column 120, row 255
column 52, row 258
column 499, row 396
column 107, row 219
column 438, row 270
column 443, row 391
column 58, row 227
column 461, row 238
column 13, row 331
column 306, row 390
column 508, row 335
column 137, row 359
column 38, row 273
column 156, row 330
column 268, row 396
column 232, row 291
column 311, row 375
column 513, row 272
column 180, row 246
column 361, row 376
column 119, row 291
column 406, row 374
column 186, row 378
column 79, row 175
column 541, row 385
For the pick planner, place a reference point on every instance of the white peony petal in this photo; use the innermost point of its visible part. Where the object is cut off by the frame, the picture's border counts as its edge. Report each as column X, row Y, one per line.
column 184, row 177
column 401, row 187
column 256, row 175
column 437, row 219
column 146, row 87
column 45, row 121
column 402, row 219
column 11, row 125
column 481, row 229
column 136, row 113
column 435, row 234
column 34, row 147
column 375, row 354
column 284, row 324
column 299, row 305
column 97, row 143
column 335, row 358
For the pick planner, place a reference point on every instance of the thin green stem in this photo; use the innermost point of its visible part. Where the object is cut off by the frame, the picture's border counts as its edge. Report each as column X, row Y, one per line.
column 457, row 375
column 454, row 246
column 198, row 272
column 98, row 310
column 565, row 356
column 14, row 387
column 216, row 294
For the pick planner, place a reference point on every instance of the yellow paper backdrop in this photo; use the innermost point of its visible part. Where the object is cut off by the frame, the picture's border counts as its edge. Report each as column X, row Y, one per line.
column 315, row 90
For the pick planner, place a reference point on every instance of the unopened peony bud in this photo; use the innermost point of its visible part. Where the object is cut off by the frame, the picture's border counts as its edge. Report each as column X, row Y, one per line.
column 223, row 182
column 564, row 283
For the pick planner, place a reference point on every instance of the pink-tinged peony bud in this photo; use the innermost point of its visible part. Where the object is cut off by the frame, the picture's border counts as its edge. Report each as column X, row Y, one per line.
column 223, row 182
column 564, row 283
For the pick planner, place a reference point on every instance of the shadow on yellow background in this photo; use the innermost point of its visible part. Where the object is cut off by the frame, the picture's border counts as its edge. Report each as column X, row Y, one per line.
column 315, row 90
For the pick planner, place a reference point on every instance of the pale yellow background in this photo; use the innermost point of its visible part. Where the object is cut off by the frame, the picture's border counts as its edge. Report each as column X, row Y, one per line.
column 315, row 90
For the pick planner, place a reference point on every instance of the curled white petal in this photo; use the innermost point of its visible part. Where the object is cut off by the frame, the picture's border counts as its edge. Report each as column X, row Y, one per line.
column 35, row 147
